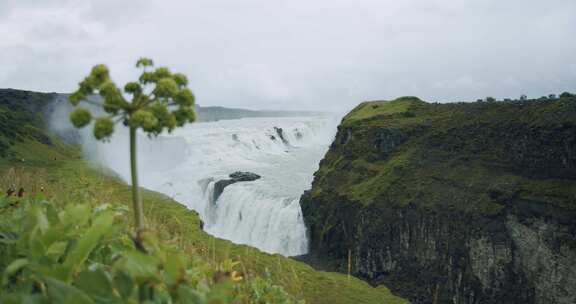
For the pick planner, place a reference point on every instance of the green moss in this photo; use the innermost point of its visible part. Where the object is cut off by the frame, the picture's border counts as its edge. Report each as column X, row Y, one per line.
column 386, row 174
column 402, row 107
column 471, row 157
column 331, row 161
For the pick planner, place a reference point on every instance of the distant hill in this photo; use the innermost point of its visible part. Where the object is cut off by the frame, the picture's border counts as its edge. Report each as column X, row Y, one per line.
column 222, row 113
column 204, row 113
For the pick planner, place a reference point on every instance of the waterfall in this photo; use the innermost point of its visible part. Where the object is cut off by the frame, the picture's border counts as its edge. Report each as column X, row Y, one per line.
column 264, row 213
column 246, row 215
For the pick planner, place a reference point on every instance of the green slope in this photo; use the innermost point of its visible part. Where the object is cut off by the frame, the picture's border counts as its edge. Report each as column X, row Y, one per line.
column 67, row 178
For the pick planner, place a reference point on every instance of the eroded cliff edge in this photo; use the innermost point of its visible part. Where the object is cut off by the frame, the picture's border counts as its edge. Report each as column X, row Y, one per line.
column 452, row 203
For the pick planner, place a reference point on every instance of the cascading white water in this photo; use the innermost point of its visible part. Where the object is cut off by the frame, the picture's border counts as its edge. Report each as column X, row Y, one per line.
column 264, row 213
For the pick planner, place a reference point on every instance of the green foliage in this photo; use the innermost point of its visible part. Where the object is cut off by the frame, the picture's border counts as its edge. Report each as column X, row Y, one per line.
column 103, row 128
column 144, row 119
column 457, row 156
column 159, row 101
column 73, row 181
column 371, row 110
column 385, row 175
column 168, row 104
column 79, row 254
column 80, row 117
column 144, row 62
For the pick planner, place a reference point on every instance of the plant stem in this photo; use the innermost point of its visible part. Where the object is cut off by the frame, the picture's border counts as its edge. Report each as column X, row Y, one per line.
column 349, row 263
column 137, row 203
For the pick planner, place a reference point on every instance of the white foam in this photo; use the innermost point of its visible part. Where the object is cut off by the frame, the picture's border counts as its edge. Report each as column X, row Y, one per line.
column 264, row 213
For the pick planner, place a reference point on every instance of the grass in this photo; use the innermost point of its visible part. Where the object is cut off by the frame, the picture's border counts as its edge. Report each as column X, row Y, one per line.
column 65, row 178
column 470, row 157
column 383, row 110
column 386, row 174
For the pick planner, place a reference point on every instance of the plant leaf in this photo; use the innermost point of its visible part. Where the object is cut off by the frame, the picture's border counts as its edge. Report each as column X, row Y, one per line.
column 96, row 283
column 60, row 292
column 141, row 267
column 189, row 295
column 77, row 215
column 88, row 242
column 175, row 267
column 124, row 284
column 14, row 267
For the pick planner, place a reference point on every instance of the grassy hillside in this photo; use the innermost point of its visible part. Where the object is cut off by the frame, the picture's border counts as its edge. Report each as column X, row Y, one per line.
column 30, row 163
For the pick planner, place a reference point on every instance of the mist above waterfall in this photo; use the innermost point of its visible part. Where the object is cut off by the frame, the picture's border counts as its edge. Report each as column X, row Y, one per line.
column 265, row 213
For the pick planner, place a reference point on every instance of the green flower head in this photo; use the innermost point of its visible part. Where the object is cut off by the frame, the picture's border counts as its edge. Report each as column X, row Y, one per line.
column 160, row 100
column 80, row 117
column 103, row 128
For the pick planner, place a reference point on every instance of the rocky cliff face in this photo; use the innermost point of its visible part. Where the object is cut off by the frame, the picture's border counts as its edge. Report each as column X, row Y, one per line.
column 452, row 203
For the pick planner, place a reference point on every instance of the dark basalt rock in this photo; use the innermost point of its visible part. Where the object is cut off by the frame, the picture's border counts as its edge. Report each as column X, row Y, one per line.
column 239, row 176
column 235, row 177
column 298, row 134
column 280, row 133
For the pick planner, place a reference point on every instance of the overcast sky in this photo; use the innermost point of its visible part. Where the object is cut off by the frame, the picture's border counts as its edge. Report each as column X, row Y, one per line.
column 299, row 54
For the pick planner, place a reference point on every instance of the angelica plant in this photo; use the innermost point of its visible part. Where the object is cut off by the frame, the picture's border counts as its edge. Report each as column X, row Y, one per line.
column 160, row 100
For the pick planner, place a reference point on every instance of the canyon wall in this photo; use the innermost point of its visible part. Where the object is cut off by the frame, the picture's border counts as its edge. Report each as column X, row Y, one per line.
column 452, row 203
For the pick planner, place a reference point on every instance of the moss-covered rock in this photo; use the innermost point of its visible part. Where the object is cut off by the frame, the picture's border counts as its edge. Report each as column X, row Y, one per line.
column 452, row 203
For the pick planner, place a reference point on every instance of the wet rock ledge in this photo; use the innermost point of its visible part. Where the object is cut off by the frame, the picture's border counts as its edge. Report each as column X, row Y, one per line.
column 235, row 177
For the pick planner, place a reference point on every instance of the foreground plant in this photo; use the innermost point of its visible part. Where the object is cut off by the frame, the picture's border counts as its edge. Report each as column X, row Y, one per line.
column 160, row 100
column 77, row 253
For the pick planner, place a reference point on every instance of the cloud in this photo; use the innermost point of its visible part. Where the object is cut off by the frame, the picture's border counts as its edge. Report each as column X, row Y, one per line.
column 322, row 54
column 463, row 82
column 572, row 69
column 257, row 80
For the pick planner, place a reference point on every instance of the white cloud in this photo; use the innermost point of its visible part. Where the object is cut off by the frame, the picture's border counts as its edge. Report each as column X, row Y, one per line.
column 255, row 80
column 572, row 69
column 296, row 53
column 463, row 82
